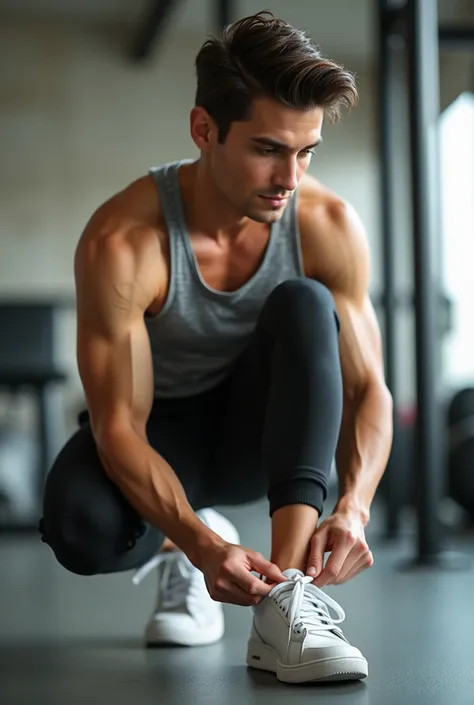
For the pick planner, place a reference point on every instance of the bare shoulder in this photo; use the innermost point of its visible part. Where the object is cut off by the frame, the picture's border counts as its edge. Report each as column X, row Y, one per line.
column 131, row 216
column 123, row 240
column 333, row 238
column 121, row 255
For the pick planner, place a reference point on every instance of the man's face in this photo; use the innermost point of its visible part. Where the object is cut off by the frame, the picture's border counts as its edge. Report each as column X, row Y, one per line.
column 262, row 160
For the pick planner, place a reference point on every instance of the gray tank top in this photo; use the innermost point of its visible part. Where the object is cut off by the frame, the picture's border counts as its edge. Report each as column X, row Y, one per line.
column 200, row 332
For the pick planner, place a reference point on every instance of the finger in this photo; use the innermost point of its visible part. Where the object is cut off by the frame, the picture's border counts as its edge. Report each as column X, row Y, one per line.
column 229, row 592
column 355, row 555
column 367, row 561
column 335, row 562
column 266, row 568
column 316, row 553
column 250, row 583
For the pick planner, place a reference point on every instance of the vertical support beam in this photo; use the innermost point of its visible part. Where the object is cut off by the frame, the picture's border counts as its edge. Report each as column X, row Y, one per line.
column 224, row 13
column 423, row 82
column 386, row 78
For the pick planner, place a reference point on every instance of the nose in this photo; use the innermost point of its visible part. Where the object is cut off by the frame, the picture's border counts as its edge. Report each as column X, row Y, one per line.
column 287, row 175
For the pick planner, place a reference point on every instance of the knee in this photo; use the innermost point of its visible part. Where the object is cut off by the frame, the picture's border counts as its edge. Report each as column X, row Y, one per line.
column 305, row 296
column 73, row 543
column 82, row 541
column 302, row 292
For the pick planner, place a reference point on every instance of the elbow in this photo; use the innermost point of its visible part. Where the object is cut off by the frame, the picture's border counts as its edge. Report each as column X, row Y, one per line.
column 107, row 447
column 106, row 440
column 378, row 388
column 380, row 400
column 369, row 386
column 114, row 445
column 387, row 397
column 113, row 437
column 108, row 436
column 375, row 394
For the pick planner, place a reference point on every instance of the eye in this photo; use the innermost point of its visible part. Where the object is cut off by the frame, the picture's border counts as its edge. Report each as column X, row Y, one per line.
column 266, row 152
column 307, row 152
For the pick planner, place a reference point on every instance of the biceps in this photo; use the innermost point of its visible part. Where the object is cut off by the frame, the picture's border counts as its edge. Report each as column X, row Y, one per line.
column 117, row 376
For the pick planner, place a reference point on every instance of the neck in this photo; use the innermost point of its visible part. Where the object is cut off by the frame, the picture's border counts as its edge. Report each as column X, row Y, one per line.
column 207, row 209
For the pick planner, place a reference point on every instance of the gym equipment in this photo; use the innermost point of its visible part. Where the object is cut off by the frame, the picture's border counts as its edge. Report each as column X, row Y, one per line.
column 461, row 449
column 18, row 460
column 28, row 366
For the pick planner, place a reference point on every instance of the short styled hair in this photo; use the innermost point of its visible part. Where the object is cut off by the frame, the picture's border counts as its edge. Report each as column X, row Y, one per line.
column 261, row 56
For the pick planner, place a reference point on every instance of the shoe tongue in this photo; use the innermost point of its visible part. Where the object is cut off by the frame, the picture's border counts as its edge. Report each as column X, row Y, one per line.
column 291, row 573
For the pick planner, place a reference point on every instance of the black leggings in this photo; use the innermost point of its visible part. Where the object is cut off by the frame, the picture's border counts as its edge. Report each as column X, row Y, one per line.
column 270, row 429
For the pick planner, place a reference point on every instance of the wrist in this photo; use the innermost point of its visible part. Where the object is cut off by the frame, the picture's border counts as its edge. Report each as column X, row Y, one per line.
column 348, row 504
column 203, row 541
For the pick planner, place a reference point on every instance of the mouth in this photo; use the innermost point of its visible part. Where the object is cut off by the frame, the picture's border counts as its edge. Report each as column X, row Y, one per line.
column 276, row 201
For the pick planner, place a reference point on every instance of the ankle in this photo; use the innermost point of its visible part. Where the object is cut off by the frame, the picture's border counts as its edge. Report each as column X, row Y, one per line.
column 292, row 530
column 290, row 561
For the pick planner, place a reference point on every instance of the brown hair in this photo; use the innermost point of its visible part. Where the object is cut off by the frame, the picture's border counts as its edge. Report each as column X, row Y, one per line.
column 261, row 56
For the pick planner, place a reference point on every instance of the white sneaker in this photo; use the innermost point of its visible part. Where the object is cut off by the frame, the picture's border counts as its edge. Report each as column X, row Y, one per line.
column 185, row 614
column 294, row 636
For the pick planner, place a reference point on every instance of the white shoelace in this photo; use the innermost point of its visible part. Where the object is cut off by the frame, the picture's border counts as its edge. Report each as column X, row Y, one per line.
column 307, row 606
column 177, row 579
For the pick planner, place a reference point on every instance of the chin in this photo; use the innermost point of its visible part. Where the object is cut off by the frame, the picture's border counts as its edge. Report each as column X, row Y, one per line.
column 264, row 216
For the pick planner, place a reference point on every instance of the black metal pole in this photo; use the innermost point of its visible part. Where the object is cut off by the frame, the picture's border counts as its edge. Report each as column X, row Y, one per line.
column 386, row 68
column 224, row 13
column 423, row 83
column 157, row 17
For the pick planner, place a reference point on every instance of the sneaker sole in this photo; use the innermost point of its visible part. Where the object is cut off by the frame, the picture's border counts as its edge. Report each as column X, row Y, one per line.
column 346, row 668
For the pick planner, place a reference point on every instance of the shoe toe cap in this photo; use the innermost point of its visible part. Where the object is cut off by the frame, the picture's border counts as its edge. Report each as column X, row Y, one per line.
column 330, row 652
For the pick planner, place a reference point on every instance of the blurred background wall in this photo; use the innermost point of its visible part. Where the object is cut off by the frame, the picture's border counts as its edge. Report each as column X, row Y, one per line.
column 79, row 120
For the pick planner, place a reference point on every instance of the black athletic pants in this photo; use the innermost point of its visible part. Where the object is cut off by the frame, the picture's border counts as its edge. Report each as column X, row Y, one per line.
column 270, row 429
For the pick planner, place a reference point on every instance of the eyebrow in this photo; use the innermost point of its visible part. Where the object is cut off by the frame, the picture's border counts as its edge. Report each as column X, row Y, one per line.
column 276, row 144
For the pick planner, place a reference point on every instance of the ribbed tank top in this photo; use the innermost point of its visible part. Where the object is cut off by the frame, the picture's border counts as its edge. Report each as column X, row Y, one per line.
column 200, row 332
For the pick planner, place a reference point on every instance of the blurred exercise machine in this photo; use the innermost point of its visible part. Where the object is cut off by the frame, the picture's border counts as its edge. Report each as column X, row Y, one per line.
column 27, row 365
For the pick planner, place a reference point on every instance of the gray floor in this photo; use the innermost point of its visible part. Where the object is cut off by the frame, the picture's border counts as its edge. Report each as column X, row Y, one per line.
column 66, row 639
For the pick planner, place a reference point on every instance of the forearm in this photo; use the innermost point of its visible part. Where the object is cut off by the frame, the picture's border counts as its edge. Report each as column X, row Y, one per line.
column 153, row 489
column 364, row 448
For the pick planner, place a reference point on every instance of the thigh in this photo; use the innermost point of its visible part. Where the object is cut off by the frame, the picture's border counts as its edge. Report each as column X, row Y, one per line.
column 239, row 475
column 182, row 432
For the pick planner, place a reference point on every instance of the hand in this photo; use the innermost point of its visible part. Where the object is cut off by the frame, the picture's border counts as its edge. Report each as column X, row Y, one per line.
column 343, row 535
column 227, row 573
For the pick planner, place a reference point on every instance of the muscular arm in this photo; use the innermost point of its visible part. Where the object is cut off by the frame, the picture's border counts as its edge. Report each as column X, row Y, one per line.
column 366, row 430
column 116, row 280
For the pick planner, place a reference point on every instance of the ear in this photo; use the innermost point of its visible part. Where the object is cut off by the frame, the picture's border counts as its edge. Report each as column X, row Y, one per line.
column 203, row 129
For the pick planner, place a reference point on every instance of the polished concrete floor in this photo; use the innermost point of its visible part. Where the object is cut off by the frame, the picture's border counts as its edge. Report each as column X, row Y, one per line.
column 66, row 639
